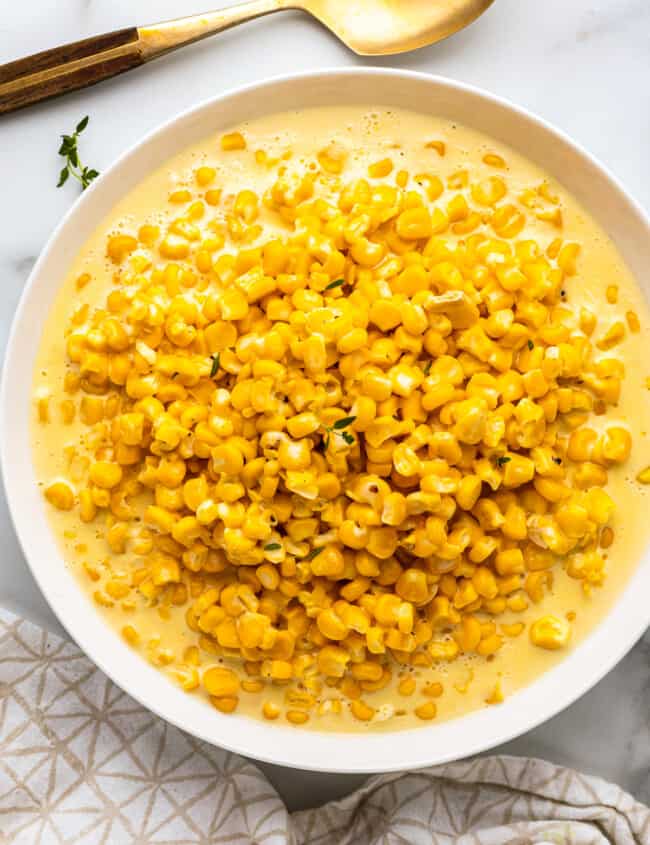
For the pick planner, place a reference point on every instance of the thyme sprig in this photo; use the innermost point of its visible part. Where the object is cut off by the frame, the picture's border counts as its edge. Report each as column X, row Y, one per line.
column 70, row 152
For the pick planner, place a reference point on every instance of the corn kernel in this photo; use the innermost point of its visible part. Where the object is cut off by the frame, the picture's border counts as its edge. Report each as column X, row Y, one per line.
column 549, row 632
column 220, row 682
column 233, row 141
column 61, row 495
column 362, row 711
column 426, row 711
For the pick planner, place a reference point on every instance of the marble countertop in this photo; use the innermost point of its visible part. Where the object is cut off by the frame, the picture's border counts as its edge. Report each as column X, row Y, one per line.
column 584, row 65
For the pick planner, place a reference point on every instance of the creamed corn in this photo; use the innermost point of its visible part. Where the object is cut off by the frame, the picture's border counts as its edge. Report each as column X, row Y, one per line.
column 351, row 450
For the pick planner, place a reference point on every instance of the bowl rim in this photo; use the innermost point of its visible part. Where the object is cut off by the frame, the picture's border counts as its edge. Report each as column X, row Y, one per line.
column 381, row 751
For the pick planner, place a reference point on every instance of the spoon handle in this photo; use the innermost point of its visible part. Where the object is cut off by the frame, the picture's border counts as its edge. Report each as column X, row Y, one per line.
column 67, row 68
column 73, row 66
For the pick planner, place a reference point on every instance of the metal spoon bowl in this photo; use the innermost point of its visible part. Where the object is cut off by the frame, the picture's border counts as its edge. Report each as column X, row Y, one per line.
column 368, row 27
column 383, row 27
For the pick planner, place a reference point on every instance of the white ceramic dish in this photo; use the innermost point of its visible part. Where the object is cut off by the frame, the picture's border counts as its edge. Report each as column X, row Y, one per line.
column 598, row 192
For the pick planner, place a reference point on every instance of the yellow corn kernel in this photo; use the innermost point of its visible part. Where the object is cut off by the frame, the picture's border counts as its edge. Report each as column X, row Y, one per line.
column 303, row 425
column 633, row 322
column 87, row 508
column 367, row 671
column 332, row 158
column 439, row 146
column 252, row 686
column 494, row 160
column 332, row 661
column 225, row 704
column 380, row 168
column 105, row 474
column 412, row 586
column 444, row 650
column 406, row 686
column 643, row 477
column 227, row 458
column 469, row 491
column 513, row 630
column 314, row 355
column 613, row 336
column 353, row 340
column 294, row 455
column 61, row 495
column 43, row 407
column 599, row 506
column 117, row 589
column 616, row 444
column 490, row 191
column 131, row 635
column 582, row 443
column 518, row 470
column 382, row 542
column 362, row 711
column 165, row 570
column 489, row 645
column 433, row 690
column 180, row 196
column 120, row 246
column 204, row 175
column 233, row 141
column 414, row 224
column 517, row 603
column 277, row 670
column 220, row 682
column 328, row 564
column 297, row 717
column 606, row 538
column 270, row 711
column 550, row 632
column 496, row 695
column 426, row 711
column 485, row 583
column 589, row 475
column 331, row 625
column 470, row 634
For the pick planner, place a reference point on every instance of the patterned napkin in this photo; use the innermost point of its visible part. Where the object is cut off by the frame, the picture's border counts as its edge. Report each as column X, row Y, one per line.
column 83, row 764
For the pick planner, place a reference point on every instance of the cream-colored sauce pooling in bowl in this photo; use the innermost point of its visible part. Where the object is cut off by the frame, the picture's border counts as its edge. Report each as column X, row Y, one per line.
column 295, row 139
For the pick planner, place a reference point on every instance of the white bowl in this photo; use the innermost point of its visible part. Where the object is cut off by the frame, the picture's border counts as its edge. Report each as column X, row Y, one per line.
column 598, row 192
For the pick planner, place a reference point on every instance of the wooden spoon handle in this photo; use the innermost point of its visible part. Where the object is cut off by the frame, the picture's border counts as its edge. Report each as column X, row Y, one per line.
column 73, row 66
column 67, row 68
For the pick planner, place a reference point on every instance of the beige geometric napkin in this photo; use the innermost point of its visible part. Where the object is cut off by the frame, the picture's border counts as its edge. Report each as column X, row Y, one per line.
column 81, row 763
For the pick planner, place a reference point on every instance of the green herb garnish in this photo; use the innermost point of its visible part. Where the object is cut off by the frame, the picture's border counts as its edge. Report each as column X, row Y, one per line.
column 336, row 284
column 503, row 459
column 339, row 426
column 531, row 345
column 272, row 547
column 314, row 553
column 427, row 368
column 73, row 167
column 215, row 365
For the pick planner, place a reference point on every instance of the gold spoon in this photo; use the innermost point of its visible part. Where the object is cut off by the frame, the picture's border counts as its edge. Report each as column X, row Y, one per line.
column 369, row 27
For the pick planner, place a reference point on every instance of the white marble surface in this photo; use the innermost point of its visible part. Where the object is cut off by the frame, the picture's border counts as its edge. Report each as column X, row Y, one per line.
column 582, row 64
